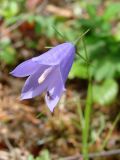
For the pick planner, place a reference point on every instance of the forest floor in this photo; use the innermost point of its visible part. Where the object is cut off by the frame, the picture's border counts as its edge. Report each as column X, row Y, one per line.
column 27, row 127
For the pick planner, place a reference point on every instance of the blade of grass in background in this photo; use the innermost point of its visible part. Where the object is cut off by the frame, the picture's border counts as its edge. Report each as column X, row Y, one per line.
column 110, row 132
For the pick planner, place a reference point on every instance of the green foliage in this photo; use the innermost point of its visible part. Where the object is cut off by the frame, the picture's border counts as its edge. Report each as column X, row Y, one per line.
column 102, row 46
column 112, row 10
column 7, row 52
column 103, row 51
column 78, row 72
column 44, row 156
column 105, row 93
column 8, row 9
column 43, row 25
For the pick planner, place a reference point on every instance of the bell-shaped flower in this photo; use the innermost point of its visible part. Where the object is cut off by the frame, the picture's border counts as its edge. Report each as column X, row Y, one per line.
column 47, row 73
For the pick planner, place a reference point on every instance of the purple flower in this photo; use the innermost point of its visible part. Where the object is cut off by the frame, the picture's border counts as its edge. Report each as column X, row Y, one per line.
column 47, row 73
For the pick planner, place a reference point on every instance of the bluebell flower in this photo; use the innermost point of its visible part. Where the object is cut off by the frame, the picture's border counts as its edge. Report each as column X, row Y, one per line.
column 47, row 73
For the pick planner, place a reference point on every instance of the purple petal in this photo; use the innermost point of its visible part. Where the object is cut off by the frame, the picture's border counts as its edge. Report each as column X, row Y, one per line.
column 55, row 90
column 25, row 69
column 66, row 64
column 51, row 103
column 55, row 55
column 31, row 87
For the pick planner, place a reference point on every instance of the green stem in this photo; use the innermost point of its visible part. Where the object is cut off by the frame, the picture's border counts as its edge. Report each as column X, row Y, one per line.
column 85, row 131
column 80, row 37
column 80, row 113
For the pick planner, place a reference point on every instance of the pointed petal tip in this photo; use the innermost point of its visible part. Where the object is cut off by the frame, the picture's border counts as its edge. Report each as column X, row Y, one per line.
column 25, row 69
column 13, row 73
column 51, row 109
column 64, row 89
column 24, row 98
column 51, row 103
column 27, row 95
column 21, row 98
